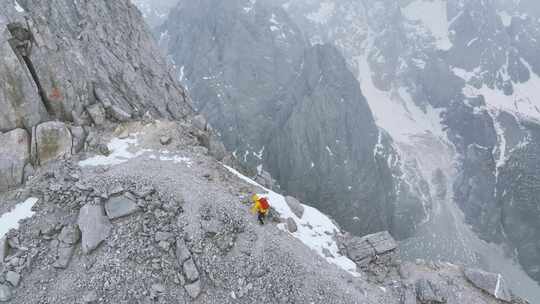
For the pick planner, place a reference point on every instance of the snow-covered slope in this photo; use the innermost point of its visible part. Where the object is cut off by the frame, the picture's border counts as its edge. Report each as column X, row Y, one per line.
column 315, row 229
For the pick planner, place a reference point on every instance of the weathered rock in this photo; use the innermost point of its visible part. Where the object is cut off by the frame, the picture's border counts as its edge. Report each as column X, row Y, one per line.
column 165, row 140
column 194, row 289
column 217, row 149
column 79, row 138
column 94, row 225
column 182, row 251
column 492, row 283
column 190, row 270
column 163, row 236
column 70, row 235
column 14, row 155
column 295, row 205
column 28, row 171
column 291, row 225
column 4, row 248
column 90, row 297
column 117, row 113
column 159, row 288
column 199, row 122
column 13, row 278
column 428, row 293
column 97, row 113
column 63, row 255
column 5, row 293
column 120, row 206
column 364, row 249
column 52, row 140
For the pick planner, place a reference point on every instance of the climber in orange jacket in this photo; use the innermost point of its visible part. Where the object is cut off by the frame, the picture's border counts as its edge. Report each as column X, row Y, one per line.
column 260, row 206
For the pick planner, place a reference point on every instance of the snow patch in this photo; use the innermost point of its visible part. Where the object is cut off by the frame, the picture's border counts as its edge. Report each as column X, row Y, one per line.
column 524, row 103
column 395, row 111
column 249, row 7
column 18, row 7
column 120, row 153
column 315, row 229
column 323, row 15
column 433, row 15
column 11, row 219
column 505, row 18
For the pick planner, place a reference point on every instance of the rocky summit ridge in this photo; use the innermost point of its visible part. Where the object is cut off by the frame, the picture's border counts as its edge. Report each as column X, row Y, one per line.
column 128, row 196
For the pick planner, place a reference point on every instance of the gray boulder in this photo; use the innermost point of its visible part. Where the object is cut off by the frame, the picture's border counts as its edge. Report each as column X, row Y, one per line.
column 90, row 297
column 70, row 235
column 428, row 293
column 492, row 283
column 362, row 250
column 63, row 255
column 5, row 293
column 216, row 148
column 13, row 278
column 120, row 206
column 94, row 225
column 199, row 122
column 194, row 289
column 79, row 137
column 51, row 140
column 117, row 113
column 291, row 225
column 295, row 205
column 14, row 155
column 182, row 251
column 97, row 113
column 165, row 140
column 4, row 248
column 190, row 270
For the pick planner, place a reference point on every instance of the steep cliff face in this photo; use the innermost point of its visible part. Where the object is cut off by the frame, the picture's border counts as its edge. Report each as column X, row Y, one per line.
column 329, row 138
column 293, row 109
column 61, row 57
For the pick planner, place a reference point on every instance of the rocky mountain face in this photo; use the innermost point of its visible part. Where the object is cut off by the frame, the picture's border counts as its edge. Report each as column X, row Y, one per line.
column 272, row 95
column 124, row 196
column 460, row 78
column 155, row 12
column 73, row 63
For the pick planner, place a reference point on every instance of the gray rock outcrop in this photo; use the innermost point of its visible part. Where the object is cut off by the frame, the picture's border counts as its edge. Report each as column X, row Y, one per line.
column 14, row 155
column 120, row 206
column 51, row 141
column 492, row 283
column 94, row 225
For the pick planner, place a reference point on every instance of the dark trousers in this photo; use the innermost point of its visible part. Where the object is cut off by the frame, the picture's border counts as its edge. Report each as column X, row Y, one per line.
column 261, row 217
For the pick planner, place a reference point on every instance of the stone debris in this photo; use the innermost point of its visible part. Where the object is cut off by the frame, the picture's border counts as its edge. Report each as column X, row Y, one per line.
column 428, row 293
column 5, row 293
column 291, row 225
column 120, row 206
column 94, row 225
column 51, row 141
column 14, row 155
column 492, row 283
column 13, row 278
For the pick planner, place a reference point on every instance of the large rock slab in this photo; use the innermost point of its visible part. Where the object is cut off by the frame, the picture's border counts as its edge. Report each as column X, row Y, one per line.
column 492, row 283
column 194, row 289
column 428, row 292
column 120, row 206
column 190, row 270
column 363, row 249
column 94, row 225
column 5, row 293
column 51, row 140
column 14, row 155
